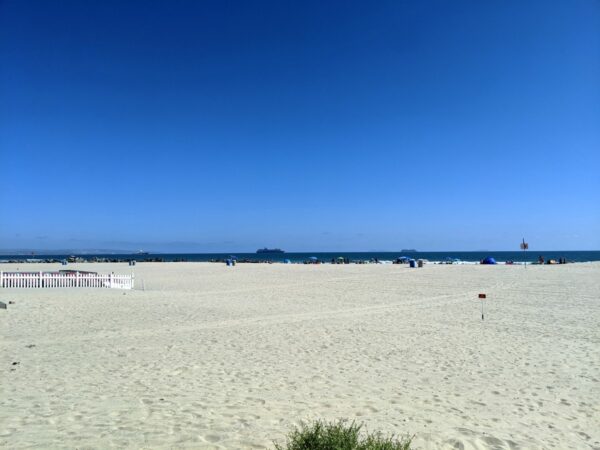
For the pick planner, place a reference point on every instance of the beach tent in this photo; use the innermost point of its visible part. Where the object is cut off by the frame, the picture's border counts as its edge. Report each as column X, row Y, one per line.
column 287, row 261
column 488, row 260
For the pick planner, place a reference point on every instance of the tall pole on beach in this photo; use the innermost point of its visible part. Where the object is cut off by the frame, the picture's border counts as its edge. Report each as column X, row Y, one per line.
column 524, row 247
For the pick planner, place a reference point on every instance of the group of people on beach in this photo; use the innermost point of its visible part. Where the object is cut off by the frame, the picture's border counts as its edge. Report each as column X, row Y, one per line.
column 561, row 260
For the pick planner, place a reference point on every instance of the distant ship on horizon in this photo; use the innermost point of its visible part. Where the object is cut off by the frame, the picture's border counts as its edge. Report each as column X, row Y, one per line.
column 269, row 250
column 409, row 250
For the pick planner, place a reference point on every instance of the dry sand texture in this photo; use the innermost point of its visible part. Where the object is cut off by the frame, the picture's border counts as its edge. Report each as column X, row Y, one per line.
column 210, row 356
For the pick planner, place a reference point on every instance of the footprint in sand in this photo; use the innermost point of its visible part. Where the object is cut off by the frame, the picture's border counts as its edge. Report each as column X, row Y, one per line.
column 455, row 443
column 213, row 438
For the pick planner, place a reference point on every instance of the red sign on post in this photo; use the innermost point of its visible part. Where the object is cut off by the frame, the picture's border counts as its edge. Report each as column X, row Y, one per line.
column 482, row 296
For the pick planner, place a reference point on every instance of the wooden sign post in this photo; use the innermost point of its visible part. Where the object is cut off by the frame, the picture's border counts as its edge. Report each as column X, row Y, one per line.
column 481, row 297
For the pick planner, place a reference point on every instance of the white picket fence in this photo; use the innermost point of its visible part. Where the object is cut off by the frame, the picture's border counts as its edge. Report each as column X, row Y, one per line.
column 63, row 280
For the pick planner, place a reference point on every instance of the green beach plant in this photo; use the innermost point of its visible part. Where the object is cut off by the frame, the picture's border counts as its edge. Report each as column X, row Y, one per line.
column 340, row 435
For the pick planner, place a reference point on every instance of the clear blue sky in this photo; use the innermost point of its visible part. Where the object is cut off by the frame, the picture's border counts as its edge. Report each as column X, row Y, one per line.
column 309, row 125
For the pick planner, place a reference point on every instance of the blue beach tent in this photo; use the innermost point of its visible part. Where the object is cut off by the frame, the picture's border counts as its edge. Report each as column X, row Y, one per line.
column 488, row 260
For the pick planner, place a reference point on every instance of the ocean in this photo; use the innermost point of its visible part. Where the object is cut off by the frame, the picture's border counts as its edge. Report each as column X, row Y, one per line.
column 500, row 256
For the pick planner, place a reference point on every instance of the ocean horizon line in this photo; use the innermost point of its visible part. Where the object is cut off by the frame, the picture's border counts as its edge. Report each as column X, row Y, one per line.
column 21, row 252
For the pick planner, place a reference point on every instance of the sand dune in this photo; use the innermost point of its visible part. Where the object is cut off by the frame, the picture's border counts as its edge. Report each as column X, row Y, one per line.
column 210, row 356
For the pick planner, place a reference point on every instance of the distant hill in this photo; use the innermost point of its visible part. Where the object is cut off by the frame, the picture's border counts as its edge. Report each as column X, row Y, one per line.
column 65, row 252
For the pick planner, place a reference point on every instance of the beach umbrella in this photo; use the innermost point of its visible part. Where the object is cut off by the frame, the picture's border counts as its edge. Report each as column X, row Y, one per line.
column 313, row 258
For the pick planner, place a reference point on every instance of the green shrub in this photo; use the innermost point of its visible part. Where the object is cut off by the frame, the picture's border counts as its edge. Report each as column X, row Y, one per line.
column 340, row 435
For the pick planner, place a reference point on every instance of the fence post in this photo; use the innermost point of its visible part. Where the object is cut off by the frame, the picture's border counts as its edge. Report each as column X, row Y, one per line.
column 110, row 283
column 1, row 279
column 132, row 280
column 77, row 281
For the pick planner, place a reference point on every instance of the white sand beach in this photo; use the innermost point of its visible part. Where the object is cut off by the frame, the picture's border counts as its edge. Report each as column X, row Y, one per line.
column 210, row 356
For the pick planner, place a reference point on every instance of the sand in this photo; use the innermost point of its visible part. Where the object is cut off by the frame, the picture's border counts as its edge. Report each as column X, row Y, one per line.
column 210, row 356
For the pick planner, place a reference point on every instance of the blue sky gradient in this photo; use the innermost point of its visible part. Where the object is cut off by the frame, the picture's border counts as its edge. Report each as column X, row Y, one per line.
column 228, row 126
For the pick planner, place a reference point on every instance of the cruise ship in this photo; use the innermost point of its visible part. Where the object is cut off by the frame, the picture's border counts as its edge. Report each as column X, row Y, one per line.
column 269, row 250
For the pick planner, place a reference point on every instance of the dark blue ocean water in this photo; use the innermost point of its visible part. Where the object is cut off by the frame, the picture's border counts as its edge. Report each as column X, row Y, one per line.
column 518, row 256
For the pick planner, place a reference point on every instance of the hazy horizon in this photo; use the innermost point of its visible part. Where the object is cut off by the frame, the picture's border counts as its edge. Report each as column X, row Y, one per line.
column 60, row 251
